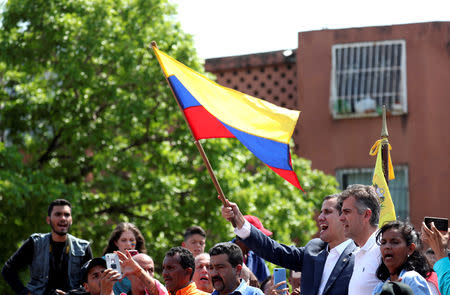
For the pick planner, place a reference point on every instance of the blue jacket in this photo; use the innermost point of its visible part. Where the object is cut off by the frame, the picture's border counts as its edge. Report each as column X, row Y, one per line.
column 258, row 266
column 309, row 260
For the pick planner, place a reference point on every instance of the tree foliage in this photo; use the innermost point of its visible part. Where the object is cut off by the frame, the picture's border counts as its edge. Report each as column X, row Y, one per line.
column 86, row 114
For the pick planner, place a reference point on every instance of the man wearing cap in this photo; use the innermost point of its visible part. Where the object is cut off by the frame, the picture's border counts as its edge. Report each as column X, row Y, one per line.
column 97, row 279
column 255, row 263
column 396, row 288
column 326, row 263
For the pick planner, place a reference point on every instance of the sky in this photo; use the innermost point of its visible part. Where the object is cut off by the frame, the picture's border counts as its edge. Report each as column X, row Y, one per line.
column 236, row 27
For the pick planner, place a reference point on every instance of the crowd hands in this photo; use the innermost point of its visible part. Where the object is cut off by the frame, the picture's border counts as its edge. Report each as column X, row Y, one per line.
column 351, row 256
column 60, row 263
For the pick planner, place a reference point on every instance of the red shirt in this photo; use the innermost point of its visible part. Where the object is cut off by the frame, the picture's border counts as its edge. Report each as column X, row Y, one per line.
column 434, row 280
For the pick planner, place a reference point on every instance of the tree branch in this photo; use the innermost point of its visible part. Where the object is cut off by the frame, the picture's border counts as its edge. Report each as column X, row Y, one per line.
column 143, row 140
column 51, row 147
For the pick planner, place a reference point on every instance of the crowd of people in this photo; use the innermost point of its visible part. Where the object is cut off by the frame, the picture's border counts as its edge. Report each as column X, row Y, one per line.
column 352, row 255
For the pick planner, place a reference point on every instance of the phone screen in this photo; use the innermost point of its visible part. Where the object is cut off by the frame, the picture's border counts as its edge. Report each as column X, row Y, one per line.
column 279, row 275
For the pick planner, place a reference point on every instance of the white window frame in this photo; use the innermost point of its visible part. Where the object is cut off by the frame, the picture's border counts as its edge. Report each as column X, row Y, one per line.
column 398, row 170
column 340, row 107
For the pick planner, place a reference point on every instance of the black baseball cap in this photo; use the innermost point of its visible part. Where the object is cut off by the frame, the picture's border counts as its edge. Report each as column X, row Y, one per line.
column 90, row 264
column 391, row 288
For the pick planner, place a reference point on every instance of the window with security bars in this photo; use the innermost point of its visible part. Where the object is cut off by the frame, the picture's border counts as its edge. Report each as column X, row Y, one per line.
column 365, row 76
column 398, row 187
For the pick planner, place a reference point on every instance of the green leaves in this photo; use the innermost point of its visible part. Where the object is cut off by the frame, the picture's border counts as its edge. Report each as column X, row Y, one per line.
column 86, row 115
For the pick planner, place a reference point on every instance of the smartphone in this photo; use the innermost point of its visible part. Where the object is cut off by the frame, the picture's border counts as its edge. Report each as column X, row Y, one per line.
column 279, row 275
column 133, row 252
column 439, row 222
column 112, row 261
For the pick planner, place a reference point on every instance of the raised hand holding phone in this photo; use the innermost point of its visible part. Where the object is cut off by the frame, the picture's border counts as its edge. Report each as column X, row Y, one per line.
column 112, row 261
column 439, row 222
column 279, row 275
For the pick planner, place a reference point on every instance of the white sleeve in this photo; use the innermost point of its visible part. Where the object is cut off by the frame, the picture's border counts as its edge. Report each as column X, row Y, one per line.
column 244, row 231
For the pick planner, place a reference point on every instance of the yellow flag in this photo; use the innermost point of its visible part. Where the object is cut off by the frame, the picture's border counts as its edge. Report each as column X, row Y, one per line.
column 379, row 182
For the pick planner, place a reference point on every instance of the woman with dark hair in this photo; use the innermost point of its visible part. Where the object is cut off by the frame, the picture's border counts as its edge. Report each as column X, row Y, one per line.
column 400, row 260
column 126, row 236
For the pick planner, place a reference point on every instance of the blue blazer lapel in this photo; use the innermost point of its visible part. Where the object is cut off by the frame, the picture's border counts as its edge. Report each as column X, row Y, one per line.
column 342, row 262
column 319, row 264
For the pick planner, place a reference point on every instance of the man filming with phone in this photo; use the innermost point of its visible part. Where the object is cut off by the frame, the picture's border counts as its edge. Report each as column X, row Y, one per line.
column 97, row 279
column 326, row 263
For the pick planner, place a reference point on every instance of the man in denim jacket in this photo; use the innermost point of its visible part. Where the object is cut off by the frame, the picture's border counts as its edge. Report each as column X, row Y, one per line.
column 55, row 259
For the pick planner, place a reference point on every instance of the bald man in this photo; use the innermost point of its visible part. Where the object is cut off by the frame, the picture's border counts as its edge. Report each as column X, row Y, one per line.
column 140, row 270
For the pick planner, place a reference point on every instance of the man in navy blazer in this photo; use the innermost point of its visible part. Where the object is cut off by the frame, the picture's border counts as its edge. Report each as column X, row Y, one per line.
column 326, row 263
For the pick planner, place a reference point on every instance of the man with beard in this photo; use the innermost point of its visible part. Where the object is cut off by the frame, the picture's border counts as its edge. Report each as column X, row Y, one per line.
column 326, row 263
column 55, row 258
column 225, row 271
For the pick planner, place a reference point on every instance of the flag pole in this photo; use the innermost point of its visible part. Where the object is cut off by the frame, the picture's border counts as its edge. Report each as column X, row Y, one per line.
column 385, row 146
column 199, row 146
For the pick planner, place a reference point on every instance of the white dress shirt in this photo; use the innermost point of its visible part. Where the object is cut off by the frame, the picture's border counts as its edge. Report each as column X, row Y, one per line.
column 367, row 260
column 244, row 231
column 332, row 259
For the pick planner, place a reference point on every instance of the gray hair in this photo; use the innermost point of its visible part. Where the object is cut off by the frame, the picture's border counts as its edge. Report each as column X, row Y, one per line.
column 366, row 198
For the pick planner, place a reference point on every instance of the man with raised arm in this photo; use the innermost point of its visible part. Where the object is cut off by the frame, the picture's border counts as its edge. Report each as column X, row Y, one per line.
column 178, row 269
column 139, row 269
column 326, row 263
column 97, row 279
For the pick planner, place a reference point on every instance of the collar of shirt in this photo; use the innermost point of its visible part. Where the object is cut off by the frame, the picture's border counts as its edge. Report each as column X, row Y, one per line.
column 339, row 248
column 370, row 243
column 330, row 263
column 239, row 290
column 189, row 290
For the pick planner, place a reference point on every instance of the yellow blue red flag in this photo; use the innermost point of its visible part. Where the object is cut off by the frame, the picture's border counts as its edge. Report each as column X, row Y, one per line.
column 387, row 212
column 214, row 111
